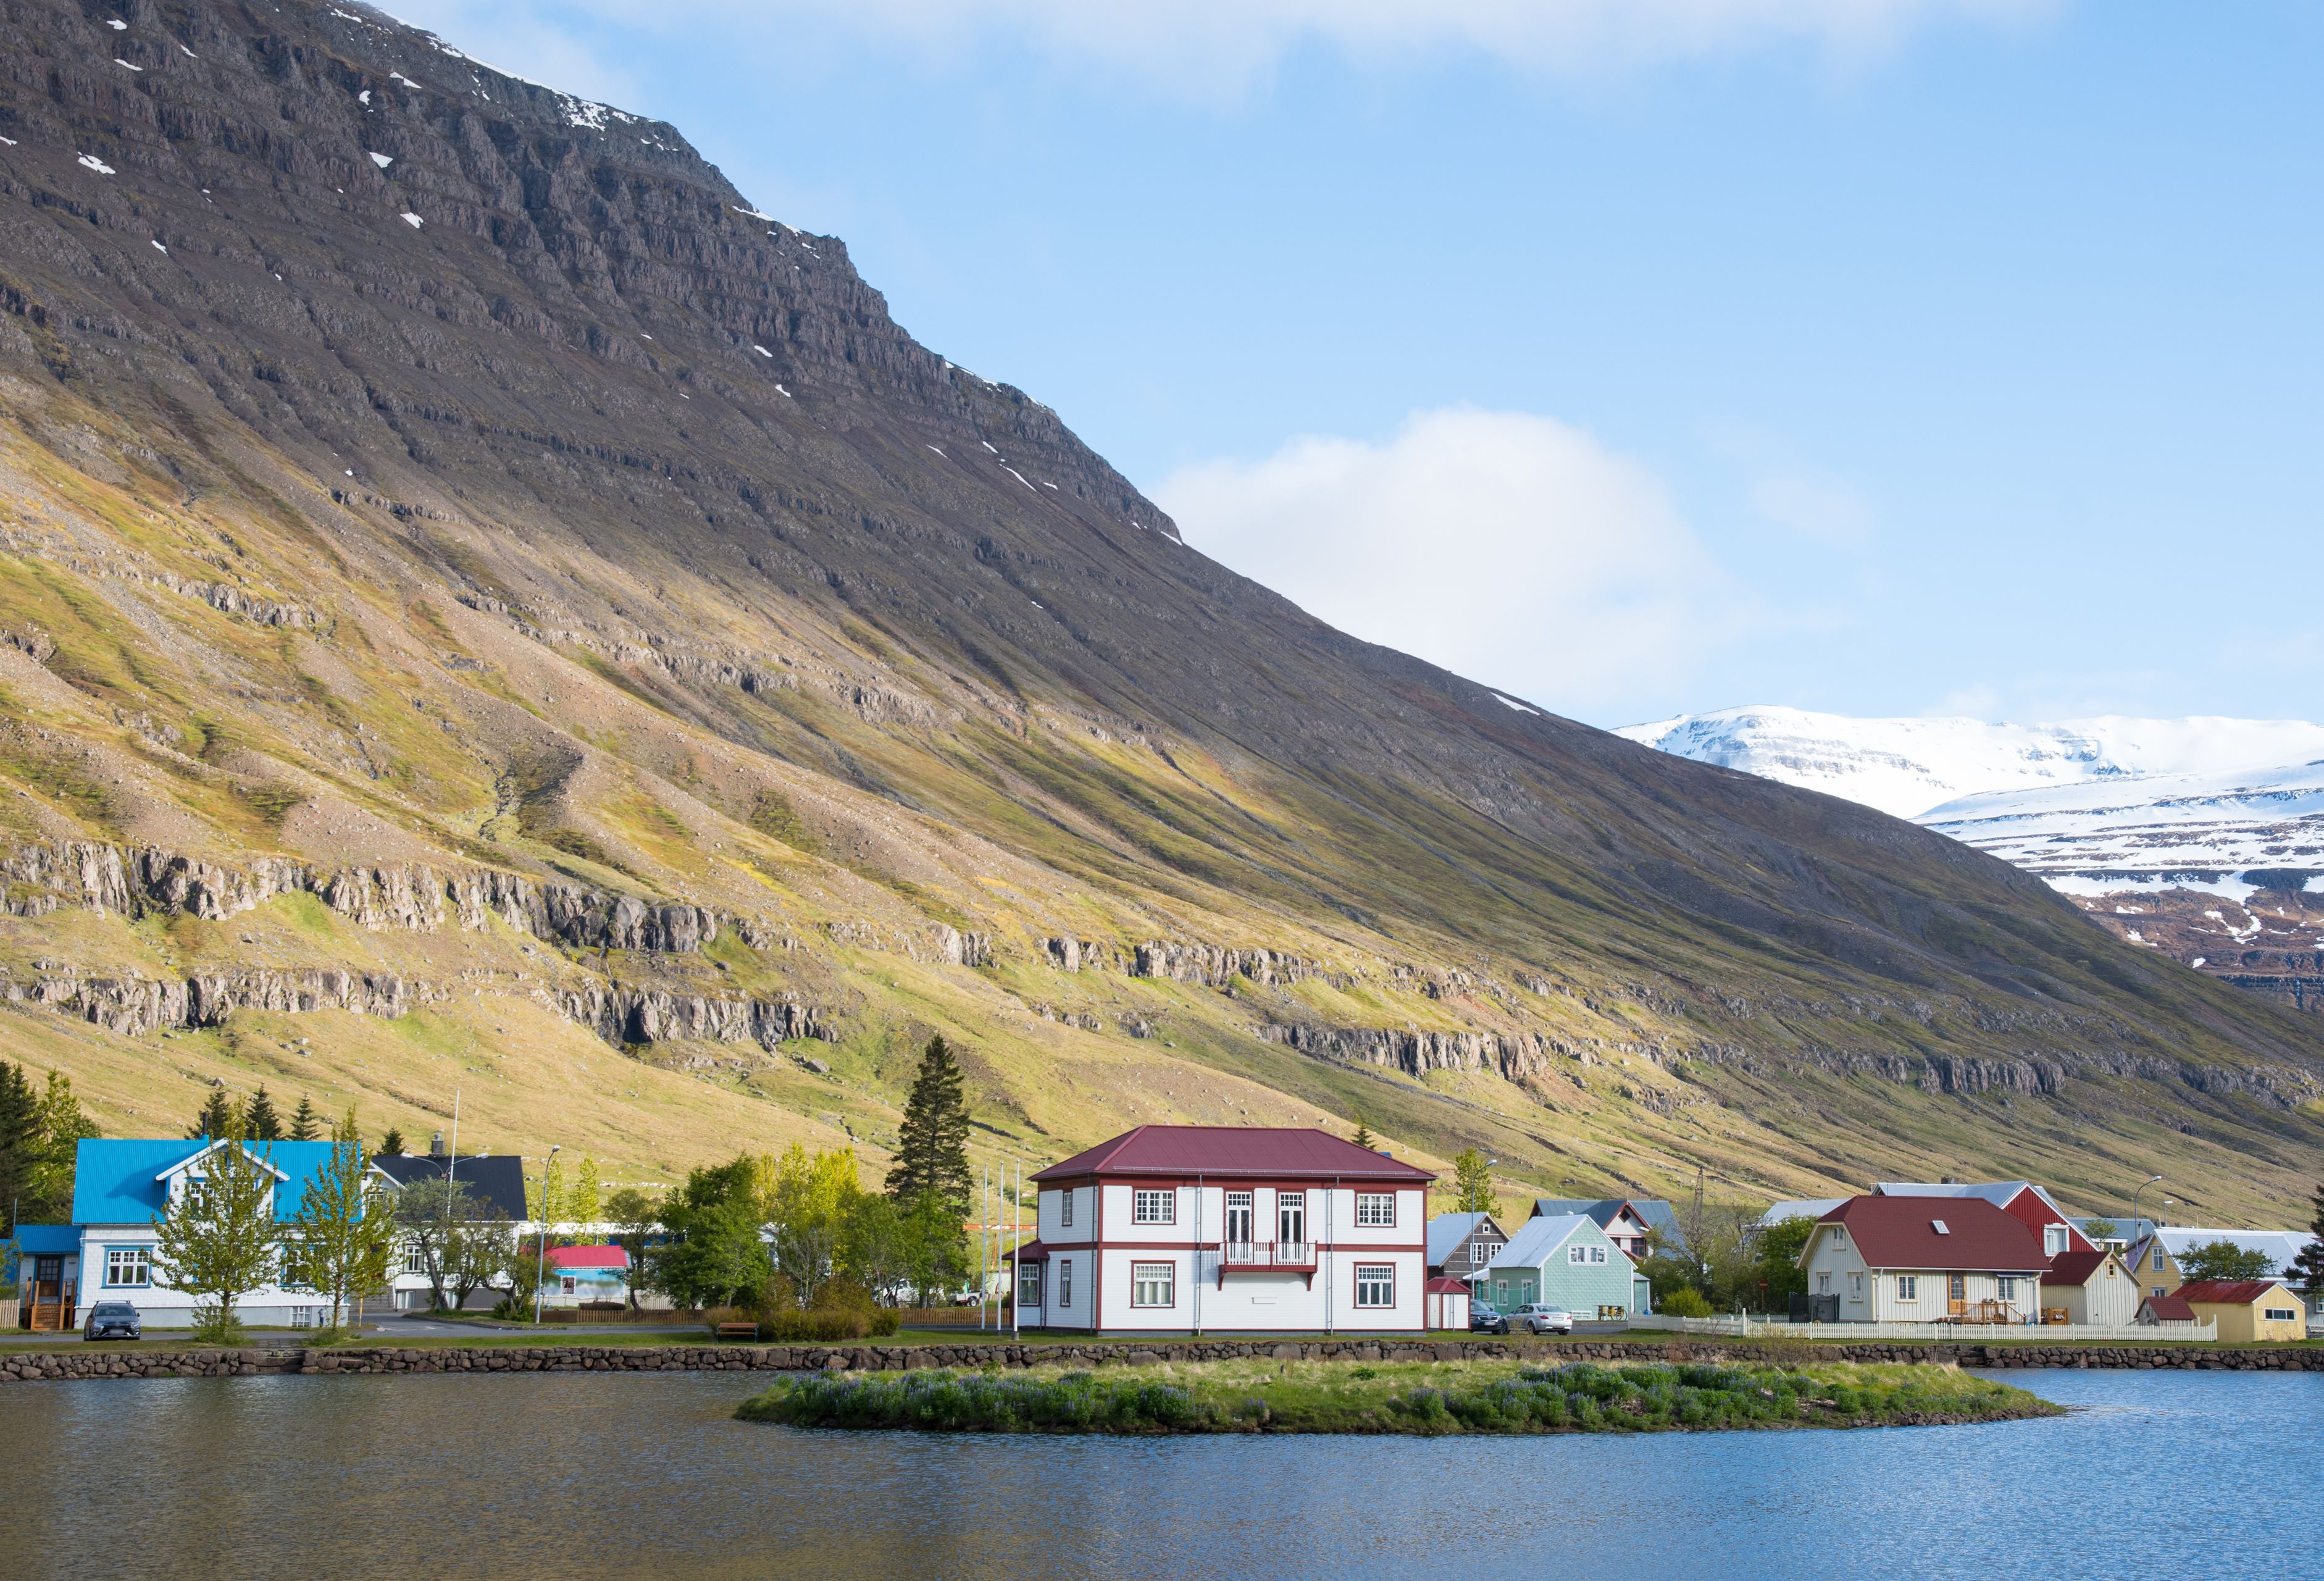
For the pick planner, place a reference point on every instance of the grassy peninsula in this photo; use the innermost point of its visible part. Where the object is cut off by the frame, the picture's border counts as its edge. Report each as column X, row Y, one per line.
column 1427, row 1398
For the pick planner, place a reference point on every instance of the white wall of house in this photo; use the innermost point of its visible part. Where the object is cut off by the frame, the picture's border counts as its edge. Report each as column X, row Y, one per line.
column 1834, row 1267
column 1159, row 1242
column 118, row 1261
column 2110, row 1296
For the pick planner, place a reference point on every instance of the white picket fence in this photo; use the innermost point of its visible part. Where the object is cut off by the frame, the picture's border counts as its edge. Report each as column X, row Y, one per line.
column 1740, row 1327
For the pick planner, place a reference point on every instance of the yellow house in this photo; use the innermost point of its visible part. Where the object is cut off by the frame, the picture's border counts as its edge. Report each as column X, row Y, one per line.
column 2246, row 1309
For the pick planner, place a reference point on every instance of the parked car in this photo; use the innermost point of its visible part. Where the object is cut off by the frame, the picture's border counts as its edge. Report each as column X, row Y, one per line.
column 1484, row 1319
column 113, row 1320
column 1544, row 1320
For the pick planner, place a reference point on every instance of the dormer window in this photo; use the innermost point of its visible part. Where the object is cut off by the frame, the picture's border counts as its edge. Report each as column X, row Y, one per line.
column 1839, row 1234
column 2053, row 1240
column 1940, row 1226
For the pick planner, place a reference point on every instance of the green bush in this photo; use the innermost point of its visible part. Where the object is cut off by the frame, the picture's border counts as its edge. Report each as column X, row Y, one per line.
column 1686, row 1301
column 946, row 1401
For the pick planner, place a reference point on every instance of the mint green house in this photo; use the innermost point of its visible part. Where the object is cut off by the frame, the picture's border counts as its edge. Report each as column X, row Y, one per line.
column 1565, row 1260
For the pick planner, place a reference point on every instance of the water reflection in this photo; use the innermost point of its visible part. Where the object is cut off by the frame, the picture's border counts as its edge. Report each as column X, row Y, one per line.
column 648, row 1476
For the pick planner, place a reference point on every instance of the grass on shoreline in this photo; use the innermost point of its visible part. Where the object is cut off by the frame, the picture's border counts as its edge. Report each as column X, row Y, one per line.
column 1428, row 1397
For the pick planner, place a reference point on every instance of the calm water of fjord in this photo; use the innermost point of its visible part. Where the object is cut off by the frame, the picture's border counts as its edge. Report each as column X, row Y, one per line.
column 616, row 1477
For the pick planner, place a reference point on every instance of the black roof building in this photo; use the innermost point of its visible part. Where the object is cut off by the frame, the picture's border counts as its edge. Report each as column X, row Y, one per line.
column 496, row 1181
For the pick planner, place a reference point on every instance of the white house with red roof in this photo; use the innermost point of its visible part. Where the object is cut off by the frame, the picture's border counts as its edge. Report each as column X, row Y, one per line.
column 1191, row 1229
column 1908, row 1259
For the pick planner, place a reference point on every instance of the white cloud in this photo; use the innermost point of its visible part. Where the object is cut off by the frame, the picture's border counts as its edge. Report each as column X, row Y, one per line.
column 1808, row 499
column 1513, row 549
column 1210, row 47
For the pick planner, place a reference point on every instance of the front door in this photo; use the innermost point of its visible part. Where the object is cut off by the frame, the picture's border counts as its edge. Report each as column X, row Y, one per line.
column 1291, row 1218
column 48, row 1294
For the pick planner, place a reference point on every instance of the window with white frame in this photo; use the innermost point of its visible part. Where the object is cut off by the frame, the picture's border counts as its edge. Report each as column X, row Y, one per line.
column 1480, row 1251
column 1153, row 1284
column 1375, row 1284
column 1065, row 1208
column 1855, row 1287
column 1597, row 1254
column 2008, row 1288
column 1376, row 1210
column 1908, row 1288
column 1065, row 1282
column 2053, row 1240
column 566, row 1284
column 128, row 1267
column 1823, row 1284
column 415, row 1259
column 1154, row 1207
column 1028, row 1284
column 1577, row 1254
column 1839, row 1234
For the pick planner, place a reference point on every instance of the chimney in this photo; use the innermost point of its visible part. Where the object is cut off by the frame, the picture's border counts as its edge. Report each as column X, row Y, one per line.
column 1948, row 1181
column 436, row 1146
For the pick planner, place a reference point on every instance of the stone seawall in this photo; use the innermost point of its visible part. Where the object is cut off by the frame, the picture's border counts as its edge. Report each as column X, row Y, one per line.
column 93, row 1363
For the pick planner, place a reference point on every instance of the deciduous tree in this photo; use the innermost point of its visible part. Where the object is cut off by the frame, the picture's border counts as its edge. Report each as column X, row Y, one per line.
column 345, row 1229
column 2225, row 1260
column 632, row 1213
column 1472, row 1183
column 219, row 1239
column 588, row 1202
column 60, row 1125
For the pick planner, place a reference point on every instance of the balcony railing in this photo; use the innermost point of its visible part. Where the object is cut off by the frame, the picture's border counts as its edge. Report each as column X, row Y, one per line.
column 1293, row 1254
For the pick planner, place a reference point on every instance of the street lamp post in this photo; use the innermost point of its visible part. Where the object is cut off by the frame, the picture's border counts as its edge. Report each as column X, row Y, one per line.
column 2134, row 1195
column 540, row 1240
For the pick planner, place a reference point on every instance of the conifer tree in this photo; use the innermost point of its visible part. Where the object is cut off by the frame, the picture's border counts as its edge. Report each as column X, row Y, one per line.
column 20, row 1139
column 2308, row 1268
column 1364, row 1138
column 932, row 1142
column 391, row 1144
column 217, row 1117
column 260, row 1120
column 306, row 1124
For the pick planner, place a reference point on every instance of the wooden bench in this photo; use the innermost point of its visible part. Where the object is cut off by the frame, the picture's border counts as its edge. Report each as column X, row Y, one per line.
column 738, row 1331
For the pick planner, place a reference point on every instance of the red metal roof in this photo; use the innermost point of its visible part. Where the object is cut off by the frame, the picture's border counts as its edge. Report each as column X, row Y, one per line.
column 1441, row 1286
column 1226, row 1150
column 2072, row 1268
column 2226, row 1292
column 1032, row 1251
column 563, row 1257
column 1901, row 1232
column 2168, row 1310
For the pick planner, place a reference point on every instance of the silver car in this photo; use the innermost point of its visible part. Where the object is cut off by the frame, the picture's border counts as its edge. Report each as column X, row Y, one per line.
column 1536, row 1319
column 113, row 1320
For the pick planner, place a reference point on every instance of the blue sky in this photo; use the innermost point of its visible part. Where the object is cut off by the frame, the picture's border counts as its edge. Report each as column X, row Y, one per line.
column 1883, row 356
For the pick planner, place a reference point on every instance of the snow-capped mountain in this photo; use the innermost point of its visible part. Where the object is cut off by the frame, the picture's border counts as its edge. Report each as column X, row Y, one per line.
column 2201, row 839
column 1909, row 766
column 2226, row 834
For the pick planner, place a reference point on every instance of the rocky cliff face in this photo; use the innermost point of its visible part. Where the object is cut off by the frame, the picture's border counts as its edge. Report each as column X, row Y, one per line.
column 447, row 535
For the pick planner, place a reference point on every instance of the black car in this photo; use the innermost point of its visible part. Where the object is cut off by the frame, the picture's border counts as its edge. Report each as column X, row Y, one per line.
column 1484, row 1319
column 113, row 1320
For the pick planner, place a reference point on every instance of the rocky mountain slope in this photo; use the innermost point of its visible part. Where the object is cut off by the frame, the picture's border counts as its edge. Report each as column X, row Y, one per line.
column 487, row 611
